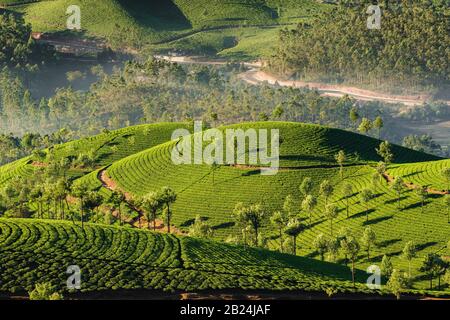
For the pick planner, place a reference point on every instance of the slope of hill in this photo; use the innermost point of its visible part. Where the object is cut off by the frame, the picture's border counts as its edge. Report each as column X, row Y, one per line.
column 306, row 151
column 135, row 23
column 425, row 174
column 104, row 148
column 113, row 258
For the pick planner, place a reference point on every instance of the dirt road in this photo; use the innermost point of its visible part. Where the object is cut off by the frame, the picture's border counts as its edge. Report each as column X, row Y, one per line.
column 256, row 76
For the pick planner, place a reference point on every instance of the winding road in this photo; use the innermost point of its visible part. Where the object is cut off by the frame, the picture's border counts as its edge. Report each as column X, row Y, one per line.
column 256, row 76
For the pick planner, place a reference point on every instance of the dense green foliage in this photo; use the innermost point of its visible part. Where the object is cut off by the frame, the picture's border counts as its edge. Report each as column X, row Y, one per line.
column 411, row 48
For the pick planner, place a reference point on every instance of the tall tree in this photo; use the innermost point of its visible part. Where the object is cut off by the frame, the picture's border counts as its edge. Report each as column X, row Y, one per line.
column 366, row 196
column 152, row 202
column 385, row 152
column 340, row 158
column 326, row 190
column 347, row 191
column 306, row 186
column 368, row 240
column 351, row 248
column 168, row 196
column 279, row 219
column 331, row 212
column 409, row 252
column 308, row 205
column 398, row 186
column 293, row 229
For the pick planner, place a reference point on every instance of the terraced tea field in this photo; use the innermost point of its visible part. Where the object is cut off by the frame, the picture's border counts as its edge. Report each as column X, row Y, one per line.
column 138, row 161
column 122, row 258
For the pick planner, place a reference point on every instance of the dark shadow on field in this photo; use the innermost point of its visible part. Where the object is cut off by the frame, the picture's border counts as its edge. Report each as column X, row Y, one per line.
column 395, row 200
column 224, row 225
column 160, row 15
column 377, row 195
column 104, row 156
column 308, row 226
column 362, row 214
column 423, row 246
column 412, row 174
column 251, row 173
column 305, row 157
column 387, row 243
column 349, row 197
column 435, row 196
column 377, row 220
column 415, row 205
column 190, row 222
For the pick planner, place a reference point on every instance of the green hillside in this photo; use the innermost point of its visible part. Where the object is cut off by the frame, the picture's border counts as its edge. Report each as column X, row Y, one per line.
column 104, row 148
column 155, row 22
column 306, row 151
column 426, row 174
column 113, row 258
column 138, row 161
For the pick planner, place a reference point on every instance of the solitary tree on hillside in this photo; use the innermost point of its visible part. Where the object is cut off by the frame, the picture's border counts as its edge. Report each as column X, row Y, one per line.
column 321, row 245
column 354, row 116
column 446, row 176
column 116, row 199
column 80, row 191
column 168, row 196
column 381, row 170
column 365, row 126
column 350, row 247
column 378, row 124
column 152, row 203
column 429, row 266
column 331, row 212
column 409, row 252
column 368, row 240
column 289, row 206
column 306, row 186
column 279, row 219
column 326, row 190
column 422, row 193
column 365, row 196
column 386, row 266
column 293, row 229
column 308, row 205
column 340, row 159
column 398, row 186
column 384, row 151
column 397, row 283
column 347, row 191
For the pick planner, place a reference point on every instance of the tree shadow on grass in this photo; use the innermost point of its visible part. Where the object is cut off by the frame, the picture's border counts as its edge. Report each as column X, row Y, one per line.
column 415, row 205
column 377, row 220
column 307, row 226
column 190, row 222
column 387, row 243
column 425, row 245
column 395, row 200
column 362, row 214
column 224, row 225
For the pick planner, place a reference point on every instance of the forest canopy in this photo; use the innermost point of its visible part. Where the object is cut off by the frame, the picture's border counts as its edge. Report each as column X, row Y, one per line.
column 412, row 48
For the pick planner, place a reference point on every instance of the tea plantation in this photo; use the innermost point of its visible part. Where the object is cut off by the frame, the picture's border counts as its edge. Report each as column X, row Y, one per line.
column 113, row 258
